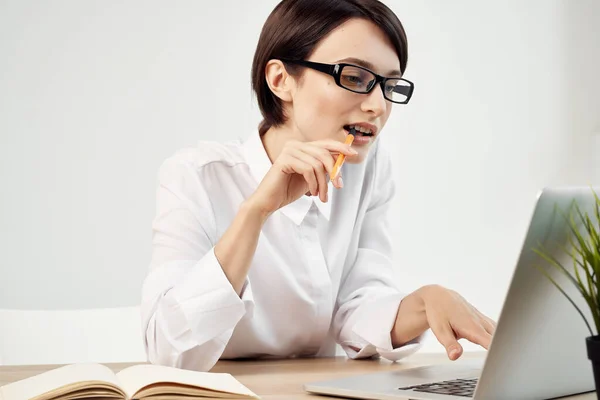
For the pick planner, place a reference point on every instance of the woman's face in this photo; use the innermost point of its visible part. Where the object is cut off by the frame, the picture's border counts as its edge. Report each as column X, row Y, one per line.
column 320, row 109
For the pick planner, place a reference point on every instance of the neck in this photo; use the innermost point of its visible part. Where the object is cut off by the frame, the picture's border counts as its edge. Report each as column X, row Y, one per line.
column 275, row 138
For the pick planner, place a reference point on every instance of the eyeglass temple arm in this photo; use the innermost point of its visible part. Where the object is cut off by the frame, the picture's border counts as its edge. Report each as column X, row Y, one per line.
column 405, row 90
column 328, row 69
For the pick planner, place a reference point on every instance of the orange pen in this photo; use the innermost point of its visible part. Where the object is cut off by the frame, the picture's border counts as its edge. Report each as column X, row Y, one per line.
column 342, row 157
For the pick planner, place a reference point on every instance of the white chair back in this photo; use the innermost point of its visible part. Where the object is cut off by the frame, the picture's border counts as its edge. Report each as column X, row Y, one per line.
column 38, row 337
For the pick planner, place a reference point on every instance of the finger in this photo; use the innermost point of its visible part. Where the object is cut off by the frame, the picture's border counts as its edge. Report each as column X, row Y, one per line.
column 323, row 155
column 478, row 335
column 488, row 324
column 306, row 170
column 322, row 179
column 335, row 146
column 317, row 171
column 326, row 158
column 322, row 160
column 339, row 182
column 445, row 335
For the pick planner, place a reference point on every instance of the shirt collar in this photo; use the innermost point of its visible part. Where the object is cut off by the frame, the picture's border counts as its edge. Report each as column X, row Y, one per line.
column 259, row 164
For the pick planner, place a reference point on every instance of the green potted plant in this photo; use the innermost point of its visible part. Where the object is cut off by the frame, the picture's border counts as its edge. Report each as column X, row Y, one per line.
column 584, row 252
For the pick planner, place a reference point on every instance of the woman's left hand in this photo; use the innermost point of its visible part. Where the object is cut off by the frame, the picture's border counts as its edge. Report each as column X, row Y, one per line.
column 450, row 317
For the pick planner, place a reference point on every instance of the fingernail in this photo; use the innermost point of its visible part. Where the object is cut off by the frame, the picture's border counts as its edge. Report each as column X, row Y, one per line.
column 340, row 182
column 352, row 150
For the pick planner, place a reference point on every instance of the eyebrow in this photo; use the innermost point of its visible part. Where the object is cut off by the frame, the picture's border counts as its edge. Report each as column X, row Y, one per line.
column 367, row 64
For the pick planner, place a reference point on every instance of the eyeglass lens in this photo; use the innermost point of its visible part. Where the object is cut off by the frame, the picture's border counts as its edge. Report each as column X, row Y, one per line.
column 360, row 80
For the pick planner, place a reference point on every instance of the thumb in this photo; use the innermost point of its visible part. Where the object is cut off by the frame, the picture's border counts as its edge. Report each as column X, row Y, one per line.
column 445, row 335
column 338, row 181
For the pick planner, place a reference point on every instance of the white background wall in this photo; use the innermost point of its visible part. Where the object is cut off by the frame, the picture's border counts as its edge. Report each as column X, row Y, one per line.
column 94, row 95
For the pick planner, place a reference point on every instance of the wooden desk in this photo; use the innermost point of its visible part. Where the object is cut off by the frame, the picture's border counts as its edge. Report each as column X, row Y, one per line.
column 283, row 379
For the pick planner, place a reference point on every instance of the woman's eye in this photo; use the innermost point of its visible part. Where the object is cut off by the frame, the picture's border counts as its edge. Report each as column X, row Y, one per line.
column 355, row 80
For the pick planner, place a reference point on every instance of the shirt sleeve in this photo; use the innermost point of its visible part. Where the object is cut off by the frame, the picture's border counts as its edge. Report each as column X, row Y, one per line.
column 368, row 299
column 189, row 308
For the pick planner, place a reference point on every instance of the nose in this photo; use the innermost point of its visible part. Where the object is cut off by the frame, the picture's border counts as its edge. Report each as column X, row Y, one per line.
column 374, row 102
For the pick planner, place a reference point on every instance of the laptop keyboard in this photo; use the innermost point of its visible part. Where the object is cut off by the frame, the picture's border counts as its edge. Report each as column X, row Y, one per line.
column 455, row 387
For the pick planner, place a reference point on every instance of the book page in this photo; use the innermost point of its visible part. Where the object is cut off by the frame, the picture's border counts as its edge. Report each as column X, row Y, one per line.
column 134, row 378
column 60, row 378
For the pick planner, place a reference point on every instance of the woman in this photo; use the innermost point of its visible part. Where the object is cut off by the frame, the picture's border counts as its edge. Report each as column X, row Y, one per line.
column 256, row 253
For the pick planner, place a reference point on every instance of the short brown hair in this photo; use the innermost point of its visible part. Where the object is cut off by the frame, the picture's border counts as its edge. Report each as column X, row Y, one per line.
column 295, row 27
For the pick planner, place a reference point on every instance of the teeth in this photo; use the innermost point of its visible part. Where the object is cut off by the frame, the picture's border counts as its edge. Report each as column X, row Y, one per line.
column 360, row 129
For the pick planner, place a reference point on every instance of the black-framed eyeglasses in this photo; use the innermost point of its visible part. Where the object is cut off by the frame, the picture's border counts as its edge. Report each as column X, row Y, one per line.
column 362, row 80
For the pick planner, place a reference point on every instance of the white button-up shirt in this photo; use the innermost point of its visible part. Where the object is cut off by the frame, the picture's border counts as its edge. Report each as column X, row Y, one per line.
column 322, row 273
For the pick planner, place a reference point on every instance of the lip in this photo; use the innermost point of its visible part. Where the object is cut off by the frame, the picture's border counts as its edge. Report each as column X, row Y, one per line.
column 362, row 140
column 365, row 125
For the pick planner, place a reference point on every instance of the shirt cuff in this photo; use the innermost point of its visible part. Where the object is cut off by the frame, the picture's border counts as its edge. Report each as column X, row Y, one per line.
column 205, row 294
column 371, row 332
column 248, row 298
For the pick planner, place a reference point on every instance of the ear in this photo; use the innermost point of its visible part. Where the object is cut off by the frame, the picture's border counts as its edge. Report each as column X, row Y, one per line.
column 280, row 82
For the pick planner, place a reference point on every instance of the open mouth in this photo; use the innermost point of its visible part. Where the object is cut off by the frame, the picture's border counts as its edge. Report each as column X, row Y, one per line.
column 360, row 131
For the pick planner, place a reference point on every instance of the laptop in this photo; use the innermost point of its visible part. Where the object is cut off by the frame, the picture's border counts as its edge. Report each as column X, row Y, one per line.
column 538, row 350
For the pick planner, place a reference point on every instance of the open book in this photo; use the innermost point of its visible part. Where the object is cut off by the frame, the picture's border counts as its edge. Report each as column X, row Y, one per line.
column 97, row 381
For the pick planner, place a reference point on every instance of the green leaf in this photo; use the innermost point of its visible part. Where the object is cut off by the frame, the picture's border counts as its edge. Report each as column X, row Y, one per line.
column 554, row 262
column 586, row 253
column 584, row 241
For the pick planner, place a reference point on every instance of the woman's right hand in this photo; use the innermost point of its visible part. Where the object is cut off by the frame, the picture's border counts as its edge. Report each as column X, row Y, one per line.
column 300, row 168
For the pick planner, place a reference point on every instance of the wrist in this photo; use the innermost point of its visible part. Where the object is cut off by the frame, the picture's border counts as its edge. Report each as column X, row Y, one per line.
column 251, row 208
column 411, row 320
